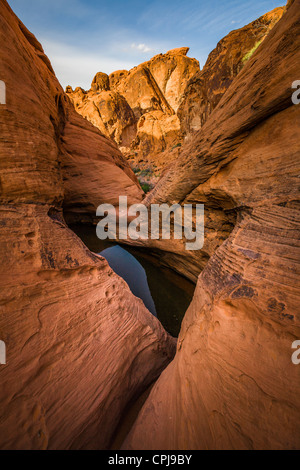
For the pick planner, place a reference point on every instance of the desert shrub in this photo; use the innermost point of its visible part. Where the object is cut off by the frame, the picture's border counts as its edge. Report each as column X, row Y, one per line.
column 145, row 187
column 251, row 52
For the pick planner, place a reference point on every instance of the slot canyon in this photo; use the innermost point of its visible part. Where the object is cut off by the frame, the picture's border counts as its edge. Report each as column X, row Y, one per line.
column 197, row 344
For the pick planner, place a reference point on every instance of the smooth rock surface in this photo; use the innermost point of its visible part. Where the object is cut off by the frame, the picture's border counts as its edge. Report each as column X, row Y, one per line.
column 232, row 384
column 79, row 345
column 206, row 88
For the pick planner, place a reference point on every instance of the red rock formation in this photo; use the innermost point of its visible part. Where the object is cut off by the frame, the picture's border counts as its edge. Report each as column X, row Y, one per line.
column 108, row 111
column 156, row 132
column 232, row 384
column 79, row 345
column 173, row 98
column 141, row 119
column 161, row 80
column 205, row 89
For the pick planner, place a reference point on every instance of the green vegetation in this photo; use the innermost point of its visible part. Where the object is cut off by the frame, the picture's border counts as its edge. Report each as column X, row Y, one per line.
column 176, row 146
column 142, row 172
column 251, row 52
column 146, row 172
column 145, row 187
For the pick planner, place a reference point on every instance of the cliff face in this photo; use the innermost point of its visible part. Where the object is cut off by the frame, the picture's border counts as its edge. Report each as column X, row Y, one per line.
column 206, row 88
column 149, row 110
column 232, row 384
column 141, row 119
column 79, row 345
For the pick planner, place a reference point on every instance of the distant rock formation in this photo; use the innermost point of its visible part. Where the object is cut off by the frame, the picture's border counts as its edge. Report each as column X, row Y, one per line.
column 79, row 345
column 167, row 98
column 137, row 108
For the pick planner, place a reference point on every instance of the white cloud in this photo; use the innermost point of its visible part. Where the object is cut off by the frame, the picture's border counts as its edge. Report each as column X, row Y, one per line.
column 76, row 67
column 141, row 47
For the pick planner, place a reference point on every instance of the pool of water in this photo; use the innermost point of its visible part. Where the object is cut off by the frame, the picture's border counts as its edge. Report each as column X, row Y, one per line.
column 165, row 293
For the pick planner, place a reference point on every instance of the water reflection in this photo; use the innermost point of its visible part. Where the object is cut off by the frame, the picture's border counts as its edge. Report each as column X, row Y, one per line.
column 166, row 294
column 128, row 267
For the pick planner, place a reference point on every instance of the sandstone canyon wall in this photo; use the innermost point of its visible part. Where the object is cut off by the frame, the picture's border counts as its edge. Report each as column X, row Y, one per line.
column 206, row 88
column 137, row 108
column 232, row 384
column 149, row 110
column 79, row 345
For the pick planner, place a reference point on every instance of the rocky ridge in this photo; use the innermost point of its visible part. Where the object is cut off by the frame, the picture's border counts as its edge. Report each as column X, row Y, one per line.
column 150, row 110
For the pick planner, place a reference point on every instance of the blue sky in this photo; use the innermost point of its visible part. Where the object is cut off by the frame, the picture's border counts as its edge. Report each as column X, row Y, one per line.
column 82, row 37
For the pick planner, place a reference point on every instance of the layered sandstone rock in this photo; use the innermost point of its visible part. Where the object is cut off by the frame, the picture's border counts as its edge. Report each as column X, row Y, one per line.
column 205, row 89
column 137, row 108
column 169, row 97
column 156, row 131
column 232, row 384
column 161, row 80
column 79, row 345
column 172, row 71
column 109, row 112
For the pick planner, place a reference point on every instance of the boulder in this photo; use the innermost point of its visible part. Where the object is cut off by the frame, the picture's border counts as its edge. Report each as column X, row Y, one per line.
column 109, row 112
column 156, row 131
column 100, row 82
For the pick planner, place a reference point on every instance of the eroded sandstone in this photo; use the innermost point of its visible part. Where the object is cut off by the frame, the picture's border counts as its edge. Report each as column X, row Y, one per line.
column 79, row 345
column 141, row 119
column 232, row 384
column 206, row 88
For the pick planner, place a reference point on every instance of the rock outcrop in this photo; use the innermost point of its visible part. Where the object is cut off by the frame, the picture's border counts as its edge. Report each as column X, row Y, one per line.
column 109, row 112
column 206, row 88
column 79, row 345
column 137, row 108
column 167, row 98
column 161, row 82
column 232, row 384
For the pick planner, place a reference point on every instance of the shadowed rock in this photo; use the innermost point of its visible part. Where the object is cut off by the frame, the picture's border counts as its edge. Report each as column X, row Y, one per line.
column 79, row 345
column 232, row 384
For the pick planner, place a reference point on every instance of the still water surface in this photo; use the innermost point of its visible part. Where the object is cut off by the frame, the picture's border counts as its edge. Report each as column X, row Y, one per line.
column 166, row 294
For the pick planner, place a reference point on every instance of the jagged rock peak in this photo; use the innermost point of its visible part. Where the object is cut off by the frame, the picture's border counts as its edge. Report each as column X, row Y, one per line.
column 100, row 82
column 179, row 51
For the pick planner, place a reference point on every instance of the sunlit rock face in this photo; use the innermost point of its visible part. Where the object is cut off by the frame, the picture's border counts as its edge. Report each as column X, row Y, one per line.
column 149, row 110
column 79, row 345
column 206, row 88
column 108, row 111
column 137, row 108
column 232, row 384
